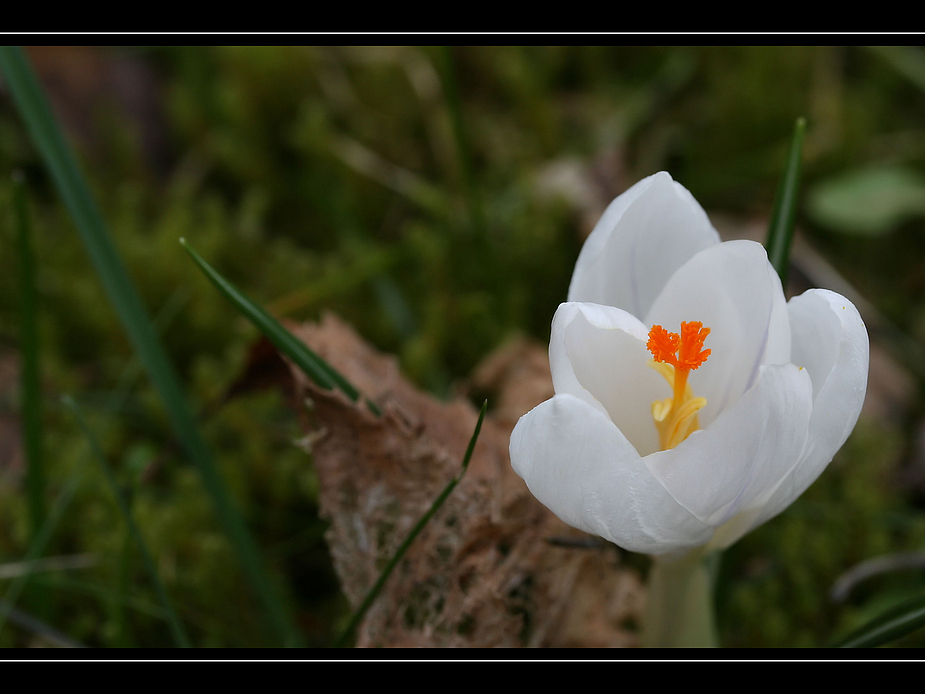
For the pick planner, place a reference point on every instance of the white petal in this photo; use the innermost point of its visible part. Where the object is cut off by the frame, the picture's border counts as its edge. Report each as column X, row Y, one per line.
column 733, row 290
column 738, row 461
column 830, row 341
column 646, row 234
column 598, row 354
column 581, row 467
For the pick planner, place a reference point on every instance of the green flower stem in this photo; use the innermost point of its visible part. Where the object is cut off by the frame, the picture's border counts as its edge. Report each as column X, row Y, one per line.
column 679, row 603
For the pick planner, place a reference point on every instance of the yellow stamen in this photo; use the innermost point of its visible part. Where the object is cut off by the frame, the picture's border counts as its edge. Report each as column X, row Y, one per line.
column 674, row 357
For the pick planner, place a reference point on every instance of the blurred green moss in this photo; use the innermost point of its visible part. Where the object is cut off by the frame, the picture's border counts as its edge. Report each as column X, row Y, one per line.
column 326, row 178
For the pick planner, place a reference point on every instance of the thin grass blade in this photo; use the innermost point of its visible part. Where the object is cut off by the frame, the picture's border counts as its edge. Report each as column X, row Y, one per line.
column 415, row 531
column 40, row 541
column 36, row 112
column 176, row 626
column 29, row 349
column 447, row 73
column 43, row 630
column 780, row 231
column 893, row 624
column 99, row 593
column 312, row 365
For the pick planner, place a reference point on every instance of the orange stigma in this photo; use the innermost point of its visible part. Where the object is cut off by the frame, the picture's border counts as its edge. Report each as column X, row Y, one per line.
column 664, row 345
column 675, row 356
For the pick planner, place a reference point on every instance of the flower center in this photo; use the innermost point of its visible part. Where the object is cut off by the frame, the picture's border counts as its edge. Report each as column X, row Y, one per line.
column 674, row 357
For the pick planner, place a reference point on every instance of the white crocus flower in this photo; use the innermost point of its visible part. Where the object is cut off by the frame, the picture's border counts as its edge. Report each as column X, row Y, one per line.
column 760, row 393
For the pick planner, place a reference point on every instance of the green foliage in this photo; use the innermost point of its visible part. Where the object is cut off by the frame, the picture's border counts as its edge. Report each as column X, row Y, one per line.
column 777, row 581
column 871, row 201
column 784, row 213
column 336, row 179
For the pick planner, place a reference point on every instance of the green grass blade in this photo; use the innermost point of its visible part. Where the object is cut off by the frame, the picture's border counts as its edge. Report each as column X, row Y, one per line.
column 29, row 349
column 447, row 71
column 313, row 366
column 909, row 61
column 100, row 593
column 415, row 531
column 176, row 626
column 43, row 630
column 40, row 541
column 35, row 110
column 780, row 231
column 893, row 624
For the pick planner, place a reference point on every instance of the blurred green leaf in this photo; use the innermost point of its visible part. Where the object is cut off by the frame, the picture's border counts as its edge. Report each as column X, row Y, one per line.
column 176, row 626
column 908, row 61
column 893, row 624
column 41, row 539
column 48, row 138
column 29, row 348
column 868, row 202
column 780, row 230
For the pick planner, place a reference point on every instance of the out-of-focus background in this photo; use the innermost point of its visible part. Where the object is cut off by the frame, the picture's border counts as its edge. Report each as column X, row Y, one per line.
column 436, row 200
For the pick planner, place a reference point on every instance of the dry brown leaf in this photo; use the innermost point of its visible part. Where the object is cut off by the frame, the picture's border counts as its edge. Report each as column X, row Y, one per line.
column 482, row 572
